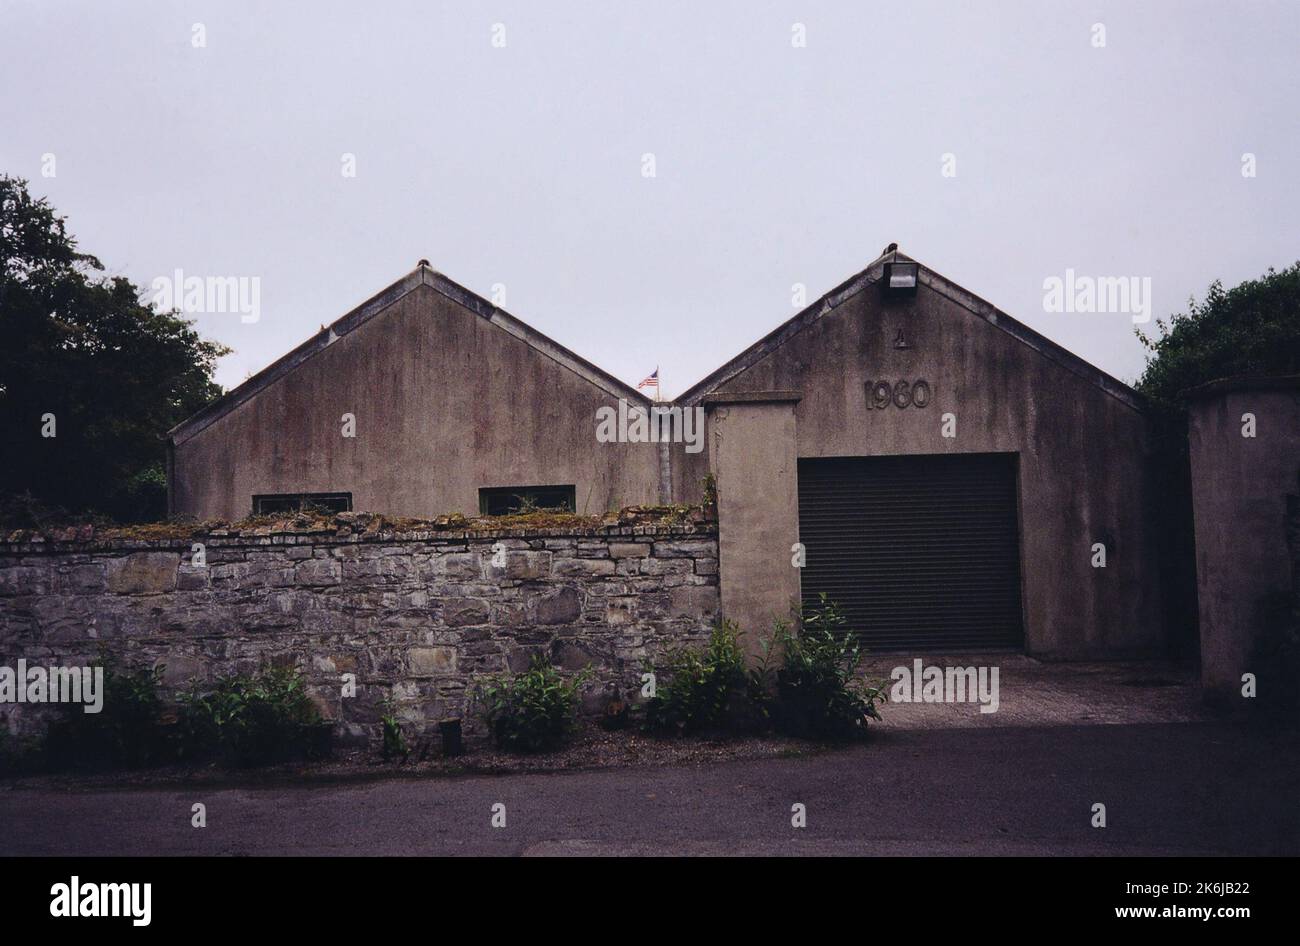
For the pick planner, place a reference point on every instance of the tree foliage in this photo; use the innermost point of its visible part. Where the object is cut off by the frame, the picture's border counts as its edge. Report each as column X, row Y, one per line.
column 1253, row 328
column 85, row 348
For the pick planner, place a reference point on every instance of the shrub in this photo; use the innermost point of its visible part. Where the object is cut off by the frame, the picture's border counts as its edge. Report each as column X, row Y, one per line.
column 394, row 742
column 704, row 687
column 252, row 720
column 817, row 692
column 127, row 732
column 532, row 711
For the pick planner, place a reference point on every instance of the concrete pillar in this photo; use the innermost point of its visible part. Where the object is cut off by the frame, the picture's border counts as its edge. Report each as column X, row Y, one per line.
column 1240, row 486
column 753, row 455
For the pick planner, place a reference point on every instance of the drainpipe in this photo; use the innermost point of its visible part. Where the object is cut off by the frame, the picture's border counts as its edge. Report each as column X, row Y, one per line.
column 665, row 473
column 171, row 478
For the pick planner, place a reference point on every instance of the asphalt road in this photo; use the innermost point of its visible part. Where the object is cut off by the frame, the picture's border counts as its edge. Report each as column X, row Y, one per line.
column 1182, row 788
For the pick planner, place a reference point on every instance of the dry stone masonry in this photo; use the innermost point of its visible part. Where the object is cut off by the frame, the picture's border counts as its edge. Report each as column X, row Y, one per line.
column 416, row 617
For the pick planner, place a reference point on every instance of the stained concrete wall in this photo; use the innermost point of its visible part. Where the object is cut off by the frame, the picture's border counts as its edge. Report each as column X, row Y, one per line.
column 446, row 401
column 752, row 457
column 450, row 398
column 1240, row 486
column 1082, row 448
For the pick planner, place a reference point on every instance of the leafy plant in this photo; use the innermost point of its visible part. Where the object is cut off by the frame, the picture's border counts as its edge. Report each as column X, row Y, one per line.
column 818, row 695
column 126, row 732
column 394, row 742
column 703, row 687
column 527, row 505
column 710, row 488
column 252, row 719
column 532, row 711
column 1250, row 329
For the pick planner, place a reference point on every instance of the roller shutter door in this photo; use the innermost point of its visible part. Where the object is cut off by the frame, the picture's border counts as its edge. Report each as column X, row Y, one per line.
column 921, row 553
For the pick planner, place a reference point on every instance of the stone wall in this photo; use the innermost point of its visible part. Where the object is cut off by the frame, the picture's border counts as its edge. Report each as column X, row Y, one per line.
column 416, row 616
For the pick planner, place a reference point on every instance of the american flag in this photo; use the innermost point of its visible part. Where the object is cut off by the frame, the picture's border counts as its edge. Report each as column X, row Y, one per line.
column 651, row 382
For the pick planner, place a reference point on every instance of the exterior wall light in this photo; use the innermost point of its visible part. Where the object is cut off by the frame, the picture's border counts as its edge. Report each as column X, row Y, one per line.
column 901, row 280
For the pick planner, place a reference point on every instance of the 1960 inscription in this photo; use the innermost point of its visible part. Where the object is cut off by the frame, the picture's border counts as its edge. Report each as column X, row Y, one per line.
column 881, row 394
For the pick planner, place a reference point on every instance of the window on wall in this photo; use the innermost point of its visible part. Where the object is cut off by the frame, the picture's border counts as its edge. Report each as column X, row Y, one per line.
column 508, row 500
column 272, row 503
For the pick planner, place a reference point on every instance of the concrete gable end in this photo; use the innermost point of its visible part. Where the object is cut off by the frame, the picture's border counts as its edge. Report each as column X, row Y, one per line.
column 866, row 284
column 940, row 374
column 442, row 395
column 421, row 277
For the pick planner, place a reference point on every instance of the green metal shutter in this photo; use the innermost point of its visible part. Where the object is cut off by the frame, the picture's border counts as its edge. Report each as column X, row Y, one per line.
column 921, row 553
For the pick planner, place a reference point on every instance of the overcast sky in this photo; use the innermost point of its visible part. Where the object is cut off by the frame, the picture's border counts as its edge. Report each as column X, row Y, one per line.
column 522, row 165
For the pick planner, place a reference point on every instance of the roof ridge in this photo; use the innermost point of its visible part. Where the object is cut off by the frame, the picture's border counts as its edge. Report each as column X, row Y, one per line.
column 425, row 275
column 974, row 304
column 791, row 326
column 422, row 275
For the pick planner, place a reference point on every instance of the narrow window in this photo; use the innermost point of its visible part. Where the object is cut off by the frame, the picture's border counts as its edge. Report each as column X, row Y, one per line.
column 509, row 500
column 273, row 503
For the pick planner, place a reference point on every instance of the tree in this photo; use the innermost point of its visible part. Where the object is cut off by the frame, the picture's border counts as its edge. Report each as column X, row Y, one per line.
column 1251, row 329
column 91, row 377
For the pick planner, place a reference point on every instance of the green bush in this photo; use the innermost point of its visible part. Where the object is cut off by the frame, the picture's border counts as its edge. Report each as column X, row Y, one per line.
column 394, row 742
column 532, row 711
column 127, row 732
column 699, row 688
column 812, row 691
column 818, row 695
column 252, row 719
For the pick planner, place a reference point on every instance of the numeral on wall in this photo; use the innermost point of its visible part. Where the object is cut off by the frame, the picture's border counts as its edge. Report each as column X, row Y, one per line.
column 881, row 394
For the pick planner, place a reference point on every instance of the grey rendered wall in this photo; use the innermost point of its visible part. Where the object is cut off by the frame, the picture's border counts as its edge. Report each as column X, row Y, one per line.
column 1239, row 493
column 445, row 402
column 752, row 454
column 1082, row 450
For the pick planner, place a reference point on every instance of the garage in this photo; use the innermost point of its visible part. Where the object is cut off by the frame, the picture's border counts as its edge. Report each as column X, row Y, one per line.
column 921, row 553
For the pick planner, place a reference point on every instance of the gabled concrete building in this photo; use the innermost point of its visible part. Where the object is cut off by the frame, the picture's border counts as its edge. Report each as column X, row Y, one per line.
column 449, row 400
column 953, row 479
